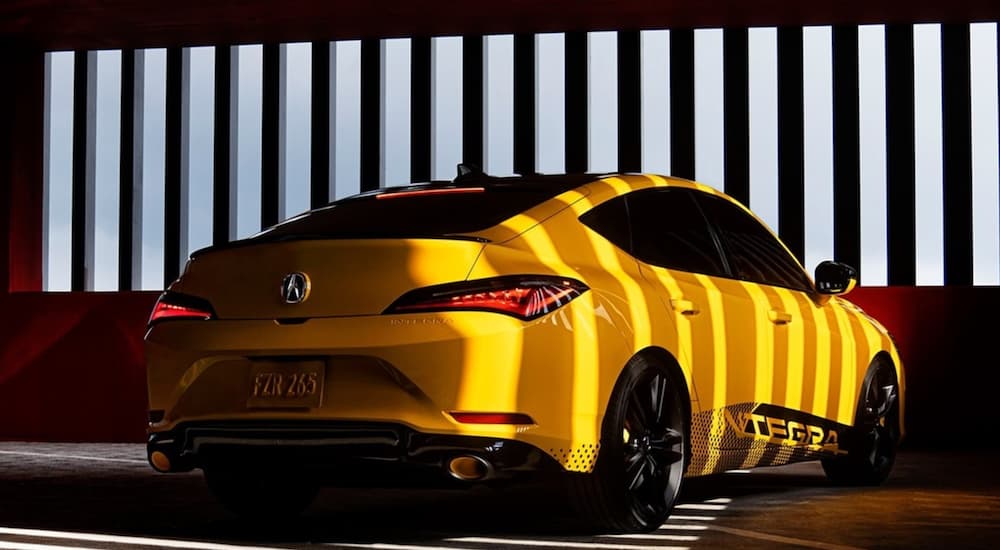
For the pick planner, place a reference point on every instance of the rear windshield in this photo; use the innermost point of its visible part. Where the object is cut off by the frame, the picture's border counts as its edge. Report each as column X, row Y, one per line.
column 406, row 213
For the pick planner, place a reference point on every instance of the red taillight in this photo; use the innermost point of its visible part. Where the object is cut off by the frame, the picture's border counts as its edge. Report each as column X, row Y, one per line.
column 176, row 306
column 491, row 418
column 523, row 296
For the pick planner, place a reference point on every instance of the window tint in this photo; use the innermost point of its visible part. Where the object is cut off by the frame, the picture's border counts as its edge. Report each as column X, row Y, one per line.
column 669, row 230
column 754, row 254
column 610, row 219
column 421, row 211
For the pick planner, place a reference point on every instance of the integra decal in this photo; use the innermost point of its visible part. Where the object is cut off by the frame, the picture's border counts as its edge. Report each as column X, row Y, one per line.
column 782, row 426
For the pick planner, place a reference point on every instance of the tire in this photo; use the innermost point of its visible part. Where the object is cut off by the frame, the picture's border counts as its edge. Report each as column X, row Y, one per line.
column 255, row 494
column 876, row 434
column 642, row 456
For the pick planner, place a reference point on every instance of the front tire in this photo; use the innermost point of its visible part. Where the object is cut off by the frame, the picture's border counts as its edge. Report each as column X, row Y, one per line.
column 642, row 457
column 876, row 433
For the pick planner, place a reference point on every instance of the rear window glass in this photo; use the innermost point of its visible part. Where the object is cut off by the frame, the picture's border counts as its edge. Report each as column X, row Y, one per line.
column 408, row 213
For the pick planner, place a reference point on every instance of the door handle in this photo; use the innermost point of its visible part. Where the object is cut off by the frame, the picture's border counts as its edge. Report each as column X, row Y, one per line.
column 779, row 317
column 684, row 307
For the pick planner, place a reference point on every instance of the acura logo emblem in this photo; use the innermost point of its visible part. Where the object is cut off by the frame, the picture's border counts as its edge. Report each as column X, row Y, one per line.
column 295, row 288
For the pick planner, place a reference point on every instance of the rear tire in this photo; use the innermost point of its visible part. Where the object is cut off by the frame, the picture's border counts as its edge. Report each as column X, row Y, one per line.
column 255, row 494
column 872, row 451
column 642, row 455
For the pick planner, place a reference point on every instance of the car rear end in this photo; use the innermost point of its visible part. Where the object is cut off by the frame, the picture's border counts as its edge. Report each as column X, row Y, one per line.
column 351, row 338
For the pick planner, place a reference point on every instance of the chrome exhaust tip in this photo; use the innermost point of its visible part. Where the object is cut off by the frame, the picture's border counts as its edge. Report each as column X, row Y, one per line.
column 160, row 461
column 469, row 468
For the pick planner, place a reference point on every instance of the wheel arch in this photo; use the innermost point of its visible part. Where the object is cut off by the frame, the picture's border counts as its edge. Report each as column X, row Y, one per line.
column 890, row 359
column 667, row 360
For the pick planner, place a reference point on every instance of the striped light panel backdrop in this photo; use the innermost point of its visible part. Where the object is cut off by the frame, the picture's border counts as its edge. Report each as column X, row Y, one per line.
column 874, row 145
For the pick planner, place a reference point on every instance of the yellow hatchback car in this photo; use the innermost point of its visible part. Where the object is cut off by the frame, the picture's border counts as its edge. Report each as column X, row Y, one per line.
column 621, row 332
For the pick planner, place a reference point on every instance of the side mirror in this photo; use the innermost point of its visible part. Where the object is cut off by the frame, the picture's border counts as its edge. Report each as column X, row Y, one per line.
column 835, row 278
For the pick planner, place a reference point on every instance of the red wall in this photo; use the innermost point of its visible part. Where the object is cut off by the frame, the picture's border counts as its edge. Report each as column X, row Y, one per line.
column 72, row 367
column 71, row 364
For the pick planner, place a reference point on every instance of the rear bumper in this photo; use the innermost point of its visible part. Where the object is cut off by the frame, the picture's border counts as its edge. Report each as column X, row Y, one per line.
column 342, row 452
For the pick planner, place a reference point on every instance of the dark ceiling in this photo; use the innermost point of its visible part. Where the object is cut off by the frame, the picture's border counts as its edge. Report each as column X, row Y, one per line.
column 99, row 24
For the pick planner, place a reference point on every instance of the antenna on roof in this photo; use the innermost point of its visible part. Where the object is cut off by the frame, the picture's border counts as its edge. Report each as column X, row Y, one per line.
column 464, row 169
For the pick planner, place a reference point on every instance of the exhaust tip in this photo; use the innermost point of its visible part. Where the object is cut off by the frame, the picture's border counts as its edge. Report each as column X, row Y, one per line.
column 160, row 461
column 469, row 468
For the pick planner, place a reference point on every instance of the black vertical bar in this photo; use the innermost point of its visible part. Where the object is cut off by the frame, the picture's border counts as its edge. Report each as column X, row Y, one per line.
column 900, row 155
column 420, row 109
column 682, row 103
column 319, row 172
column 736, row 111
column 524, row 103
column 221, row 143
column 126, row 158
column 270, row 186
column 371, row 123
column 957, row 158
column 791, row 148
column 172, row 167
column 846, row 147
column 576, row 102
column 78, row 275
column 472, row 100
column 629, row 102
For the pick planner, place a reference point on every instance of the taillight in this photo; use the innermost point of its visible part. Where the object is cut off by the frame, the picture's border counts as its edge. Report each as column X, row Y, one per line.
column 177, row 306
column 490, row 418
column 523, row 296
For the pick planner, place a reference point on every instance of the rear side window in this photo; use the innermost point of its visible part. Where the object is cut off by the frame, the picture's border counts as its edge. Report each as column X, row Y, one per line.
column 408, row 213
column 610, row 219
column 669, row 230
column 754, row 253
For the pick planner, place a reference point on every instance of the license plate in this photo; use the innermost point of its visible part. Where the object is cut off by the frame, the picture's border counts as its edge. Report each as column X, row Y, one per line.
column 286, row 385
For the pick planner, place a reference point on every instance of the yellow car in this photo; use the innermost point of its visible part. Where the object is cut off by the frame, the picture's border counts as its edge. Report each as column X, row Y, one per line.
column 621, row 332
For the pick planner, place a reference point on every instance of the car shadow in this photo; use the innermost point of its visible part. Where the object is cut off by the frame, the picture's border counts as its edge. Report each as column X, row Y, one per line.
column 181, row 507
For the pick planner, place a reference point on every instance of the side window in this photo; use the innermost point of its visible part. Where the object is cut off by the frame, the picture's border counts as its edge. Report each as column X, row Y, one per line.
column 754, row 253
column 610, row 219
column 669, row 230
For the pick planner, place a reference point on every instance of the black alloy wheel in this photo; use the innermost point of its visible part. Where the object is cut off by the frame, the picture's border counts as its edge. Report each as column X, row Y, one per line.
column 876, row 434
column 643, row 452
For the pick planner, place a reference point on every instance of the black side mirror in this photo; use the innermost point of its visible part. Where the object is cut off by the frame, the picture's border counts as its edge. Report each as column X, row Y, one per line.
column 835, row 278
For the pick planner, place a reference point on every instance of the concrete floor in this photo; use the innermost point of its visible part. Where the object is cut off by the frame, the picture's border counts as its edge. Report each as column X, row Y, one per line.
column 55, row 496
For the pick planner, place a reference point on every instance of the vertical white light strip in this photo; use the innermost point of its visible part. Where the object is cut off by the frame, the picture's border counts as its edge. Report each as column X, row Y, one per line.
column 395, row 135
column 58, row 170
column 655, row 119
column 709, row 125
column 446, row 106
column 550, row 103
column 985, row 147
column 249, row 140
column 871, row 120
column 153, row 133
column 498, row 103
column 763, row 82
column 347, row 113
column 602, row 102
column 295, row 143
column 103, row 273
column 928, row 147
column 817, row 88
column 200, row 154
